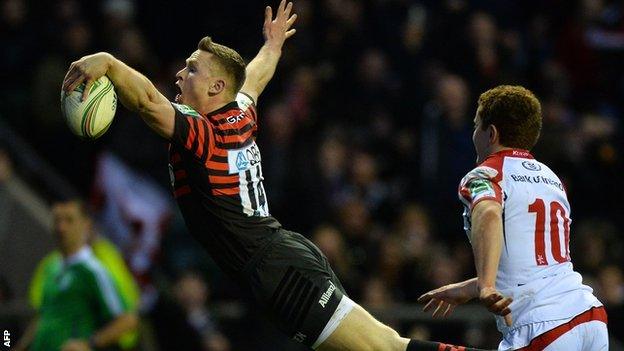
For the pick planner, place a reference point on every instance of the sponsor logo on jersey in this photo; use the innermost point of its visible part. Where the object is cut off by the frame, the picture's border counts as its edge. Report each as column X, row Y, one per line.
column 481, row 188
column 327, row 295
column 240, row 160
column 234, row 119
column 531, row 166
column 243, row 101
column 186, row 110
column 523, row 178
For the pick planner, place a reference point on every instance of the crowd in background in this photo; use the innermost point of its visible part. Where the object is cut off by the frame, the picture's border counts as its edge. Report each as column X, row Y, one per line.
column 365, row 132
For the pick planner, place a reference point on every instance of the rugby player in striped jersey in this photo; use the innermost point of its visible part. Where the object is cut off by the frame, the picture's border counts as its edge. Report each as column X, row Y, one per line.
column 216, row 174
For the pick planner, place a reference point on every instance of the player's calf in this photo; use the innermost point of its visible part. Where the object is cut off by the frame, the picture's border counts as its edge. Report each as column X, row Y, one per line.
column 359, row 331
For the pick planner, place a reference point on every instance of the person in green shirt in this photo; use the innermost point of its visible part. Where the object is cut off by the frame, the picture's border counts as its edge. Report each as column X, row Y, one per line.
column 80, row 305
column 112, row 260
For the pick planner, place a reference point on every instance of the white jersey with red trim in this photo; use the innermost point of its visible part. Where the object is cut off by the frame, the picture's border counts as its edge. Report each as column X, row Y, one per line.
column 535, row 268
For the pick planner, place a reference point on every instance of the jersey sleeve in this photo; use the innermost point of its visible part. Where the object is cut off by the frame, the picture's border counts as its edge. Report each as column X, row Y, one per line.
column 482, row 183
column 106, row 293
column 44, row 268
column 191, row 131
column 113, row 261
column 247, row 104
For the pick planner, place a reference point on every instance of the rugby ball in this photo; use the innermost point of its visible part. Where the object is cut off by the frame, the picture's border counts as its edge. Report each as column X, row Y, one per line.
column 89, row 119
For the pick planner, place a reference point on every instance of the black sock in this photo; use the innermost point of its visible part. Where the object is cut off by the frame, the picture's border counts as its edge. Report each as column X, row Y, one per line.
column 419, row 345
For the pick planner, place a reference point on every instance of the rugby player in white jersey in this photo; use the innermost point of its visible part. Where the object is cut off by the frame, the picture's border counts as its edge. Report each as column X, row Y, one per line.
column 517, row 218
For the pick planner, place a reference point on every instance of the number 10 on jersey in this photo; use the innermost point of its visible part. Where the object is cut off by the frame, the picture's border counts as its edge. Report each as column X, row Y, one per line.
column 556, row 210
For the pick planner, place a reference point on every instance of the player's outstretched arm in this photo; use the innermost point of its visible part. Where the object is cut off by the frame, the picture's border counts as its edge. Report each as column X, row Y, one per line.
column 261, row 69
column 135, row 91
column 446, row 298
column 487, row 243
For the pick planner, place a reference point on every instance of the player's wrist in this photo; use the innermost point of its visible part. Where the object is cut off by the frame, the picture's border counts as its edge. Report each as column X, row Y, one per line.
column 485, row 284
column 274, row 47
column 469, row 289
column 109, row 60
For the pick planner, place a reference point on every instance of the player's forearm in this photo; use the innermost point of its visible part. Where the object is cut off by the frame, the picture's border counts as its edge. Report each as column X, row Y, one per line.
column 111, row 333
column 261, row 69
column 136, row 92
column 487, row 241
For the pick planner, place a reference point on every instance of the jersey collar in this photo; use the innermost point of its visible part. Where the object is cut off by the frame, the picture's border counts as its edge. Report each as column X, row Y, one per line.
column 224, row 108
column 520, row 153
column 81, row 255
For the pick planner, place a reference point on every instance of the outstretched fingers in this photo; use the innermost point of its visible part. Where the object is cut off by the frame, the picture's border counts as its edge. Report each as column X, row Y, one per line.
column 287, row 11
column 268, row 15
column 425, row 297
column 449, row 310
column 281, row 7
column 291, row 20
column 438, row 310
column 429, row 305
column 290, row 33
column 443, row 309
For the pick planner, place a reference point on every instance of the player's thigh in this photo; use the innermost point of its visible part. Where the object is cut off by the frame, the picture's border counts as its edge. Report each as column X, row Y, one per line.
column 294, row 284
column 359, row 331
column 589, row 336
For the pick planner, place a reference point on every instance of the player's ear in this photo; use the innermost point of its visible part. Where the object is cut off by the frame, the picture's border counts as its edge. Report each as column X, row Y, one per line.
column 493, row 134
column 216, row 87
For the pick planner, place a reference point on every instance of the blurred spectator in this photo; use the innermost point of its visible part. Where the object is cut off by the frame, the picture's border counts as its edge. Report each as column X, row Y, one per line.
column 330, row 241
column 446, row 145
column 78, row 304
column 365, row 183
column 376, row 294
column 356, row 224
column 598, row 243
column 185, row 314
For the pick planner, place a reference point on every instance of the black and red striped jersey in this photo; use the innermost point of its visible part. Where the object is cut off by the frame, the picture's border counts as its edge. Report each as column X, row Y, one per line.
column 216, row 175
